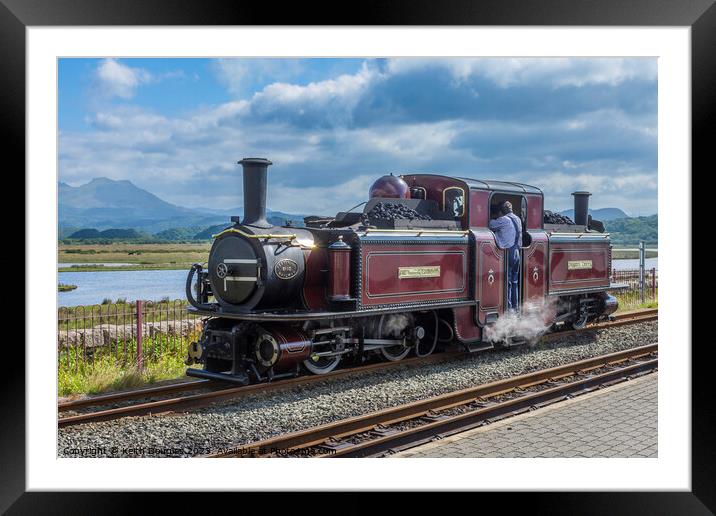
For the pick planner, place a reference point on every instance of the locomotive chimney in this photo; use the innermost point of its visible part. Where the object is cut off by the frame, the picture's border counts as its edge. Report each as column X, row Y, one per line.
column 581, row 207
column 255, row 191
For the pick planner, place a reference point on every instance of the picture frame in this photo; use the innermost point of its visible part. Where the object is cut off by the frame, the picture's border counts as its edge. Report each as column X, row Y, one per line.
column 16, row 16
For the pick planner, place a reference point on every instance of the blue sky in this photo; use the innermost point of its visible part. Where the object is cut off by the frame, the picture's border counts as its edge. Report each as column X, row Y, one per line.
column 331, row 126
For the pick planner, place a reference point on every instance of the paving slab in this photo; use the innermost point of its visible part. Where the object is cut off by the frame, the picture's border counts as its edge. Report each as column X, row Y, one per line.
column 617, row 421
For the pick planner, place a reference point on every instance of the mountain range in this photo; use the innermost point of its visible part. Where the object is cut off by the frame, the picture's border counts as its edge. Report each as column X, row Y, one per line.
column 105, row 203
column 602, row 214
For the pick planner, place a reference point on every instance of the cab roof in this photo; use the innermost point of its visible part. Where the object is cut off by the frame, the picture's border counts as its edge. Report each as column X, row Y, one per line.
column 502, row 186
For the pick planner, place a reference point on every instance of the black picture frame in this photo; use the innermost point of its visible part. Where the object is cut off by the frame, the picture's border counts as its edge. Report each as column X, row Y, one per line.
column 700, row 15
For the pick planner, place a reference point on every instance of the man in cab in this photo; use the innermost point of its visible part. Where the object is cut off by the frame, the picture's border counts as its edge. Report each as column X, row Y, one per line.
column 507, row 228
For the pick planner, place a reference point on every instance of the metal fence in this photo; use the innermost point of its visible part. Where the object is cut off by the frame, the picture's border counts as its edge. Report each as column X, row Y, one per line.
column 643, row 286
column 128, row 333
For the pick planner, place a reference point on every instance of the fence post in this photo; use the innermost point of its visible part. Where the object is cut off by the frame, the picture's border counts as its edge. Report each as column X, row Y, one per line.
column 642, row 254
column 139, row 335
column 653, row 283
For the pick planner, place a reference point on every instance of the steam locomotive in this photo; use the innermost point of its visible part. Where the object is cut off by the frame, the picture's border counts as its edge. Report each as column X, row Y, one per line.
column 416, row 269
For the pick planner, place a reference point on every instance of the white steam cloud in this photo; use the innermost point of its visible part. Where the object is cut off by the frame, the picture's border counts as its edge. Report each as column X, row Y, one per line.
column 529, row 324
column 393, row 325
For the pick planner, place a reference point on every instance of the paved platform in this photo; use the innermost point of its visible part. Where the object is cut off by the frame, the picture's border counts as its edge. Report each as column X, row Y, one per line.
column 618, row 421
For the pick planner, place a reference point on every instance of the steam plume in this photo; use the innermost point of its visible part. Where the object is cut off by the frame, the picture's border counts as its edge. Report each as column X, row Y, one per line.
column 530, row 323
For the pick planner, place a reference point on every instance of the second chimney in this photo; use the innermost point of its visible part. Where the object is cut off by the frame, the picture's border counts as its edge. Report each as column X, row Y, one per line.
column 255, row 170
column 581, row 207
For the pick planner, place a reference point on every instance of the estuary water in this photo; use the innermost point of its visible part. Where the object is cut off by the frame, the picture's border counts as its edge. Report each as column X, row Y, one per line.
column 93, row 287
column 633, row 264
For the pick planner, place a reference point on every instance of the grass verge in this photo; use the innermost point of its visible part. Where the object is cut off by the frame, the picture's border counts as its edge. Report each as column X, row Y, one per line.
column 632, row 301
column 108, row 372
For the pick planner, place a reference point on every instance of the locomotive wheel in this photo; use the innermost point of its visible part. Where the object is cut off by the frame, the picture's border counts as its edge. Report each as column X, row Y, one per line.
column 395, row 353
column 392, row 353
column 322, row 365
column 580, row 323
column 427, row 344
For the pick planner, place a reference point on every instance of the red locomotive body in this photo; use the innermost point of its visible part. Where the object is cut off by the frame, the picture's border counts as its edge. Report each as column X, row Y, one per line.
column 411, row 273
column 415, row 269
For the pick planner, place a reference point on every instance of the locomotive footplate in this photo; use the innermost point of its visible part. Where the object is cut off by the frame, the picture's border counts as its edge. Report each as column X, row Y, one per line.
column 305, row 315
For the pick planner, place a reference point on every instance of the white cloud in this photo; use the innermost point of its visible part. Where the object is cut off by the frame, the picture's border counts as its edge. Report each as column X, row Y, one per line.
column 321, row 200
column 117, row 79
column 328, row 165
column 556, row 71
column 331, row 99
column 240, row 75
column 192, row 161
column 621, row 187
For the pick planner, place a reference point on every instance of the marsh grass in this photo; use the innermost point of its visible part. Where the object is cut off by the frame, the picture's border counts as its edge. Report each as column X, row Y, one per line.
column 630, row 299
column 110, row 370
column 141, row 256
column 620, row 254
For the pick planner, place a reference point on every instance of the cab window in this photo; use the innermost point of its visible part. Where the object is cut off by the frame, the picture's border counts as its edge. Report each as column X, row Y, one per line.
column 454, row 201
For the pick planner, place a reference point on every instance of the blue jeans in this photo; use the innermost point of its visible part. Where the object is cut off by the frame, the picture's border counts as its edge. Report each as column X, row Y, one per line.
column 513, row 277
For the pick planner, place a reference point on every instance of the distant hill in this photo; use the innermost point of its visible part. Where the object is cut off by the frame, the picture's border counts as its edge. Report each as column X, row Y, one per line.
column 108, row 234
column 631, row 230
column 176, row 234
column 105, row 203
column 208, row 232
column 66, row 231
column 602, row 214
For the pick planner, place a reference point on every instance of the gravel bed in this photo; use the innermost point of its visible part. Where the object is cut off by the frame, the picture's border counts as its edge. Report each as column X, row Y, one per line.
column 265, row 415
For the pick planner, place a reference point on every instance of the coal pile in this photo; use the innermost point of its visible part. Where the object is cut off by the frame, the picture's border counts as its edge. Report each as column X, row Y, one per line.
column 392, row 211
column 556, row 218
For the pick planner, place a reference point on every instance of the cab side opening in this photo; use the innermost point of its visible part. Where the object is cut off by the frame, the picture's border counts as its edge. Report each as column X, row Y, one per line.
column 519, row 208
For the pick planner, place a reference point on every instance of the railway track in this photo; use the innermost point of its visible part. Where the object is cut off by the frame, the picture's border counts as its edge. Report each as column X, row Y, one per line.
column 215, row 392
column 409, row 425
column 199, row 393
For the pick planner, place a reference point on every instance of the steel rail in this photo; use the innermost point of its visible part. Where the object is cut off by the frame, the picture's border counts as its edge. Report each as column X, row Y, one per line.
column 631, row 314
column 472, row 419
column 219, row 393
column 619, row 319
column 147, row 392
column 373, row 422
column 202, row 399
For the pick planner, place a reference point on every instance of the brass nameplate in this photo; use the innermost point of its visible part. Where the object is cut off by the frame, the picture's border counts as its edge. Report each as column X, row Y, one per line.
column 579, row 264
column 419, row 272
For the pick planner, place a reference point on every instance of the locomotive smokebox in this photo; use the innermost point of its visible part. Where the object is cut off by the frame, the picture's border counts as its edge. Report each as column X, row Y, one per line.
column 255, row 171
column 581, row 207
